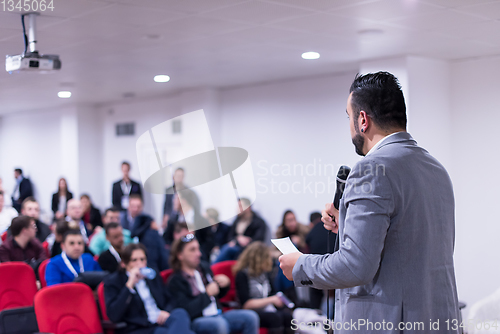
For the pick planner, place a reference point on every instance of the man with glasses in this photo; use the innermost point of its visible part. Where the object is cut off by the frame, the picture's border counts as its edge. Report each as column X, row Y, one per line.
column 23, row 245
column 197, row 290
column 64, row 268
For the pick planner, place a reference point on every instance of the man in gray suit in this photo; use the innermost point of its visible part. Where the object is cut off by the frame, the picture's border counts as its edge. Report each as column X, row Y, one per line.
column 394, row 269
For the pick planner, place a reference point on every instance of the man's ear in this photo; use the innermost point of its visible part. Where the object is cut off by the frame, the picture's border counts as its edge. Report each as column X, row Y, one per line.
column 363, row 120
column 122, row 264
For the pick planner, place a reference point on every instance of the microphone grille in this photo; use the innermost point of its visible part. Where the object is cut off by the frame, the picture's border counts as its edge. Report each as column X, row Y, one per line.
column 343, row 173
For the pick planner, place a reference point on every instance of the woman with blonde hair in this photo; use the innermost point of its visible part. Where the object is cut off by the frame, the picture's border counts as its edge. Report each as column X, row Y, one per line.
column 255, row 291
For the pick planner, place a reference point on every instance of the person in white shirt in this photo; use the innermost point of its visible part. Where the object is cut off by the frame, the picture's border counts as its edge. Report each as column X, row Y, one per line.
column 6, row 214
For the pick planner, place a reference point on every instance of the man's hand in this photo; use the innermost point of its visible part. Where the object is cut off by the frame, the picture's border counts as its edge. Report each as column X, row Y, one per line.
column 287, row 262
column 154, row 226
column 162, row 317
column 222, row 280
column 243, row 241
column 212, row 289
column 326, row 218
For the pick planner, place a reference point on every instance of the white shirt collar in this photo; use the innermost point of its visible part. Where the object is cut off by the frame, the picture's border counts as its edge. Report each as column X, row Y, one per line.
column 374, row 148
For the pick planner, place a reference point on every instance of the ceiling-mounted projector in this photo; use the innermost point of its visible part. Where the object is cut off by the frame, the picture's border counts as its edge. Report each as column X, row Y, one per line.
column 31, row 60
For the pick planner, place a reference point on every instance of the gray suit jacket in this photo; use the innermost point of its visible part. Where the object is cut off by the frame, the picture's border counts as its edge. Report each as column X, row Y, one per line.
column 397, row 232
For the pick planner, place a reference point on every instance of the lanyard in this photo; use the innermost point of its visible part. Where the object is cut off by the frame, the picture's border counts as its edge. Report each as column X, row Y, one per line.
column 113, row 252
column 70, row 266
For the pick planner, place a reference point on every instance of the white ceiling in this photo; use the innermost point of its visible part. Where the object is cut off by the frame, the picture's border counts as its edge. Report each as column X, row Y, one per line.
column 112, row 47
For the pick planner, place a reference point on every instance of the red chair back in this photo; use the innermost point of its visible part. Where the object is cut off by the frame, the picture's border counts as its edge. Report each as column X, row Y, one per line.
column 41, row 272
column 45, row 245
column 102, row 301
column 165, row 274
column 4, row 236
column 17, row 285
column 226, row 268
column 67, row 308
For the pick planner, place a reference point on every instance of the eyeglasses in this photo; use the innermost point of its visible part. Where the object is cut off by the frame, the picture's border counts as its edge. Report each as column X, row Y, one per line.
column 188, row 238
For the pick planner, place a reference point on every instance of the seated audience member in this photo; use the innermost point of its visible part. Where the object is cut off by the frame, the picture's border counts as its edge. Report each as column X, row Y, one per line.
column 99, row 242
column 180, row 230
column 61, row 227
column 219, row 229
column 110, row 259
column 255, row 291
column 31, row 208
column 91, row 215
column 145, row 305
column 22, row 190
column 197, row 290
column 75, row 212
column 195, row 221
column 247, row 227
column 60, row 199
column 317, row 242
column 64, row 268
column 294, row 230
column 23, row 245
column 149, row 237
column 6, row 214
column 135, row 207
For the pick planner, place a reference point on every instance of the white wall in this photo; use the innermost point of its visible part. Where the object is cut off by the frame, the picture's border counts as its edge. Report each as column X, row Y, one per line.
column 31, row 141
column 300, row 123
column 475, row 117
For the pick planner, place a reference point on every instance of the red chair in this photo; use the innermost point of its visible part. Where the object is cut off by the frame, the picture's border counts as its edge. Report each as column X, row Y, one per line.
column 67, row 308
column 17, row 285
column 4, row 236
column 41, row 272
column 226, row 268
column 109, row 326
column 229, row 300
column 45, row 245
column 165, row 274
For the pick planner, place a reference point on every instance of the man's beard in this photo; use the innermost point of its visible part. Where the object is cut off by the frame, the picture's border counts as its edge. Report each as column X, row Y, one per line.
column 358, row 141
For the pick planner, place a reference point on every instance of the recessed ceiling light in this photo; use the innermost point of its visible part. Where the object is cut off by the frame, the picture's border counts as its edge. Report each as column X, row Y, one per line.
column 64, row 94
column 162, row 78
column 310, row 55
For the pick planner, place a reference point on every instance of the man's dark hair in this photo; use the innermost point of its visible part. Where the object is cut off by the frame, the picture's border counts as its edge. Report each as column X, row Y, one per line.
column 27, row 200
column 19, row 223
column 380, row 96
column 19, row 170
column 314, row 216
column 180, row 226
column 126, row 163
column 111, row 226
column 112, row 209
column 71, row 232
column 62, row 226
column 126, row 254
column 136, row 196
column 87, row 196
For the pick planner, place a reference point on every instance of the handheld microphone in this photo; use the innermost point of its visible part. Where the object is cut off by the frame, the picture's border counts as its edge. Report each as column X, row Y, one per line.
column 342, row 175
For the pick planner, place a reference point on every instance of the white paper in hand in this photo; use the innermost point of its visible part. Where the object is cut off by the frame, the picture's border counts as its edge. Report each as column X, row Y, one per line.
column 285, row 245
